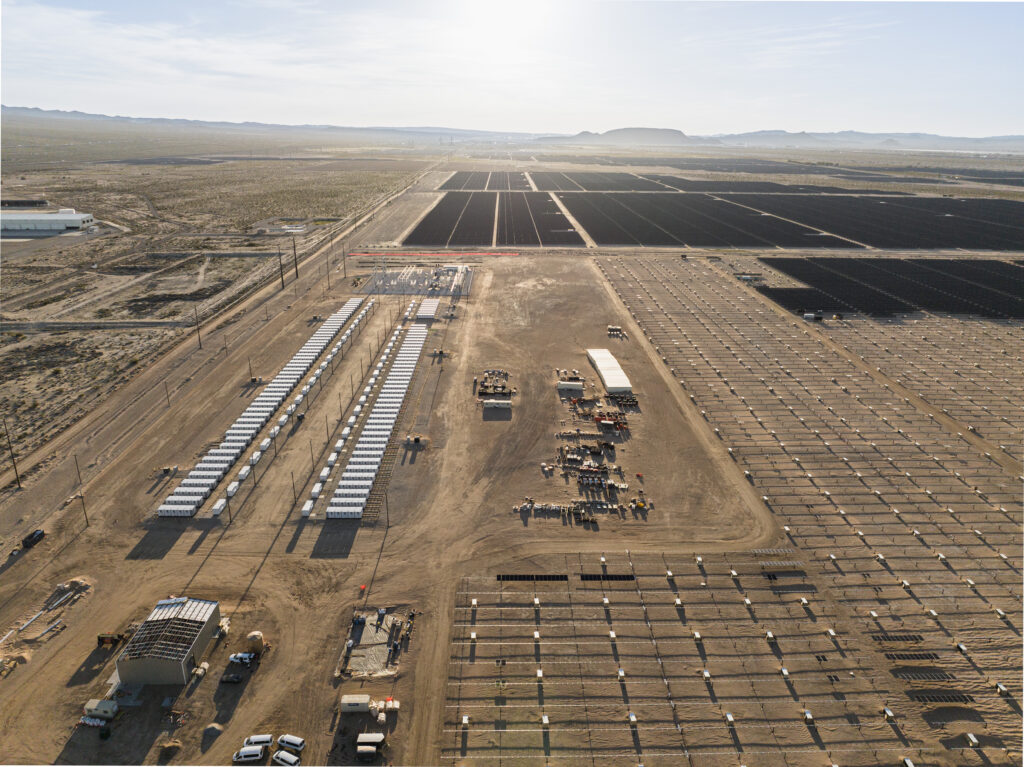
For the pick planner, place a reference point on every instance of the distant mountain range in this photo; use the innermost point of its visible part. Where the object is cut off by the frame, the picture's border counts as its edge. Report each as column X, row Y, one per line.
column 619, row 138
column 859, row 140
column 779, row 139
column 632, row 137
column 372, row 133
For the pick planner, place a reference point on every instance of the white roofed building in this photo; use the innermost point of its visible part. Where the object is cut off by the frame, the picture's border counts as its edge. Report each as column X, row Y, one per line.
column 170, row 642
column 63, row 220
column 612, row 375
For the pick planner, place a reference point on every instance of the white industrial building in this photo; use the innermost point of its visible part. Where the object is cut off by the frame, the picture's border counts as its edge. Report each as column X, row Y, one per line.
column 65, row 219
column 170, row 642
column 570, row 387
column 612, row 375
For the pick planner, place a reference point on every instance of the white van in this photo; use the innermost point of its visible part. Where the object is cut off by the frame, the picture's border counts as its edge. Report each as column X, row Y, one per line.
column 294, row 742
column 250, row 754
column 285, row 758
column 259, row 740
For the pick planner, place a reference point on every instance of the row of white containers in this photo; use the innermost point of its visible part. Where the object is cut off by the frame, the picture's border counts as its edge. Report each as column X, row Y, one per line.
column 428, row 309
column 201, row 481
column 357, row 479
column 357, row 412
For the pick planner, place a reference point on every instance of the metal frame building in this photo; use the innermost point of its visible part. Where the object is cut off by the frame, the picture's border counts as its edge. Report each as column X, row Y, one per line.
column 61, row 221
column 612, row 375
column 170, row 642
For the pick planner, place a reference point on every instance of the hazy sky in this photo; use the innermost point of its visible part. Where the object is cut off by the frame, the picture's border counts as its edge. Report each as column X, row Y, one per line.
column 951, row 68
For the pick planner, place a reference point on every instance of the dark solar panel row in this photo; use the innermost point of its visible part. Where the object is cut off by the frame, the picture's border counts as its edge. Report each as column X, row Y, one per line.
column 912, row 656
column 940, row 697
column 531, row 577
column 902, row 222
column 889, row 286
column 607, row 577
column 913, row 674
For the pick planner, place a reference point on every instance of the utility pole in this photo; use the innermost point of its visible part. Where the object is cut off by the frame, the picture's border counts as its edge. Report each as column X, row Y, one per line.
column 327, row 258
column 81, row 492
column 295, row 257
column 295, row 496
column 10, row 447
column 344, row 260
column 81, row 497
column 387, row 512
column 280, row 265
column 167, row 394
column 198, row 335
column 312, row 460
column 251, row 376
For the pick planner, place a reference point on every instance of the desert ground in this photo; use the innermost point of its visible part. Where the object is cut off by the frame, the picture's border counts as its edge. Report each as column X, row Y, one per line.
column 799, row 482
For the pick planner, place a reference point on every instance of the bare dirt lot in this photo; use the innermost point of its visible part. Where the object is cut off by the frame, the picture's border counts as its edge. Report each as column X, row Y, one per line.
column 842, row 561
column 298, row 580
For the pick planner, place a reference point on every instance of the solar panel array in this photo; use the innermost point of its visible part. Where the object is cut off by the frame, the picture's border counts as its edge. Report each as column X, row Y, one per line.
column 197, row 486
column 357, row 479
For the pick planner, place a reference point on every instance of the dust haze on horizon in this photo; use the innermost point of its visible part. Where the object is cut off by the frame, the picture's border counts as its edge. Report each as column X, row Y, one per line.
column 702, row 68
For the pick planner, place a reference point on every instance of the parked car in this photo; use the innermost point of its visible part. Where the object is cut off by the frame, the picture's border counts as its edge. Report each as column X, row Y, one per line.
column 286, row 758
column 292, row 742
column 32, row 539
column 259, row 740
column 231, row 679
column 250, row 754
column 244, row 658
